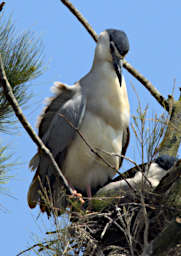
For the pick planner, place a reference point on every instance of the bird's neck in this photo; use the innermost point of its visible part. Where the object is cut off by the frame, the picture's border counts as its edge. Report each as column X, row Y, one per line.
column 99, row 64
column 103, row 69
column 102, row 73
column 101, row 78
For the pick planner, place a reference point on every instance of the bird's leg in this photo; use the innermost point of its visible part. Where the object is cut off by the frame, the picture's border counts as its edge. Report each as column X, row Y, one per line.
column 89, row 193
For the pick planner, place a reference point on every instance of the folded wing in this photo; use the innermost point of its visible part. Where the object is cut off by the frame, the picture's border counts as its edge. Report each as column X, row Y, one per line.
column 57, row 134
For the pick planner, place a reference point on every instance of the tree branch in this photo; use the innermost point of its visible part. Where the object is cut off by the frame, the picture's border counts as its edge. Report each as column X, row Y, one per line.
column 44, row 245
column 166, row 240
column 168, row 180
column 13, row 102
column 172, row 138
column 147, row 84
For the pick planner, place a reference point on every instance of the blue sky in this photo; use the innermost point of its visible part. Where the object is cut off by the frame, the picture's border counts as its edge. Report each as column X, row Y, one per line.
column 153, row 29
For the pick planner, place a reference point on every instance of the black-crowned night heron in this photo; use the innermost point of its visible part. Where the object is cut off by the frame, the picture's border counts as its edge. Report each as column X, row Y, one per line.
column 148, row 177
column 98, row 106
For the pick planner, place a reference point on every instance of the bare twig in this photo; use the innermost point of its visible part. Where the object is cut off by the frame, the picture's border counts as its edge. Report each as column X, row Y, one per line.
column 146, row 222
column 106, row 227
column 13, row 102
column 95, row 152
column 121, row 156
column 125, row 226
column 128, row 159
column 41, row 245
column 88, row 145
column 147, row 84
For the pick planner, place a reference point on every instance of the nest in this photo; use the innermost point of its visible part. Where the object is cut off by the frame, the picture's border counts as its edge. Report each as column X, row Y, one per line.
column 132, row 224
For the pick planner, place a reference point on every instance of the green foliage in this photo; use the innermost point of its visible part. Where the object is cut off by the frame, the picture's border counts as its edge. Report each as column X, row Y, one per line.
column 22, row 58
column 3, row 165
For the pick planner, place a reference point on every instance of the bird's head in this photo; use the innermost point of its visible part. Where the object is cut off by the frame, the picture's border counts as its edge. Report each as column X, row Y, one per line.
column 112, row 46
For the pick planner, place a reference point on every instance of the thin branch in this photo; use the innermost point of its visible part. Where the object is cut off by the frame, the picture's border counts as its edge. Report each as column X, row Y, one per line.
column 41, row 245
column 146, row 221
column 95, row 152
column 147, row 84
column 88, row 145
column 106, row 227
column 128, row 159
column 168, row 180
column 121, row 156
column 13, row 102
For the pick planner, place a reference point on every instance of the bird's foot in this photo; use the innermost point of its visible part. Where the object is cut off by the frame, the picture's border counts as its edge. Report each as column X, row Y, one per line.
column 78, row 195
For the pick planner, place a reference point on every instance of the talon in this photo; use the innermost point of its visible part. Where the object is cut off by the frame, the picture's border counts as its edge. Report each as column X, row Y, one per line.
column 79, row 195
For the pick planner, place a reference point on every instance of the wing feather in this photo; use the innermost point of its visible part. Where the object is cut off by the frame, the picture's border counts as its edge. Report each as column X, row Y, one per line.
column 125, row 143
column 57, row 135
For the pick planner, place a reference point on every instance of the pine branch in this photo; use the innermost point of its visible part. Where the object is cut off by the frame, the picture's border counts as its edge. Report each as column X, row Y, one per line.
column 13, row 102
column 22, row 60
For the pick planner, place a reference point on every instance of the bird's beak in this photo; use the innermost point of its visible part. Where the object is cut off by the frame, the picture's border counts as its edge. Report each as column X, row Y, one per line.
column 117, row 60
column 118, row 63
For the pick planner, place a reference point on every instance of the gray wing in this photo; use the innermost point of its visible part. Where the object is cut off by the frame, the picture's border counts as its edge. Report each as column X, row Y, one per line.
column 57, row 135
column 54, row 130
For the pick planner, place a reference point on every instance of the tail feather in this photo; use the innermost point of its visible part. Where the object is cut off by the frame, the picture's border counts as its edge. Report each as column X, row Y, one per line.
column 46, row 188
column 34, row 193
column 34, row 162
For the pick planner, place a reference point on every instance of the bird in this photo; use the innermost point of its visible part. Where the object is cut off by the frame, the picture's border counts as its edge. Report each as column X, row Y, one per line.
column 98, row 107
column 148, row 177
